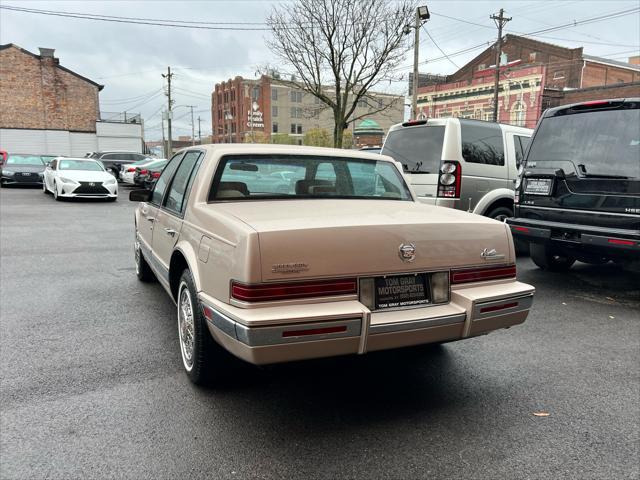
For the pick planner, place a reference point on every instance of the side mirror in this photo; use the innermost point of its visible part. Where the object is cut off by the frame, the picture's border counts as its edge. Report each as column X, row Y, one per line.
column 140, row 195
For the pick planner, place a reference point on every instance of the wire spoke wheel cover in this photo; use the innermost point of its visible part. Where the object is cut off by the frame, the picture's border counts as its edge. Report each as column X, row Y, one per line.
column 186, row 325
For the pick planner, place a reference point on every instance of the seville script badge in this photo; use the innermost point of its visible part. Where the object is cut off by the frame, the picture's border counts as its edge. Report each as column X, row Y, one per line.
column 407, row 252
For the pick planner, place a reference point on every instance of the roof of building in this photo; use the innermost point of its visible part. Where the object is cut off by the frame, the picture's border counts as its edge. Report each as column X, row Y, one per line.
column 368, row 126
column 608, row 61
column 39, row 57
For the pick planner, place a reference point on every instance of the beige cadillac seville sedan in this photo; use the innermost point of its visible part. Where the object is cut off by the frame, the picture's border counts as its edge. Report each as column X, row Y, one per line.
column 281, row 253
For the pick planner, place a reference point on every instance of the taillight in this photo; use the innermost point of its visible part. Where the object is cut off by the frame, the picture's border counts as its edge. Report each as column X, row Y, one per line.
column 144, row 172
column 132, row 169
column 449, row 179
column 155, row 175
column 289, row 291
column 481, row 274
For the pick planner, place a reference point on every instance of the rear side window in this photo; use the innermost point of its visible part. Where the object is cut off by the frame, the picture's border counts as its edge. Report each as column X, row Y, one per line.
column 175, row 200
column 482, row 143
column 520, row 143
column 419, row 149
column 165, row 177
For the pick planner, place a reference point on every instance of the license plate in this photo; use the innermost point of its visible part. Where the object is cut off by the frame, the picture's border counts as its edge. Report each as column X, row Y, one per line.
column 24, row 174
column 401, row 291
column 538, row 186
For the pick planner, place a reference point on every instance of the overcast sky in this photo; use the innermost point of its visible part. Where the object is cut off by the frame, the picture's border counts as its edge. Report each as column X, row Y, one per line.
column 129, row 59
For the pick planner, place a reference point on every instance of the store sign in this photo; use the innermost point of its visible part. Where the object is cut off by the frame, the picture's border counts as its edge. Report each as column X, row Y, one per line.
column 256, row 119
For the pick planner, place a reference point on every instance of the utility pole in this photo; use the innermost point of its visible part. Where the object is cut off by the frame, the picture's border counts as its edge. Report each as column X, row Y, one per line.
column 168, row 76
column 422, row 15
column 500, row 21
column 164, row 142
column 193, row 126
column 199, row 131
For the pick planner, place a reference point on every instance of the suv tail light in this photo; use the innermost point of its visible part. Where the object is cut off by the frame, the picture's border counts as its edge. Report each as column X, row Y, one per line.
column 266, row 292
column 143, row 172
column 449, row 179
column 155, row 174
column 482, row 274
column 131, row 169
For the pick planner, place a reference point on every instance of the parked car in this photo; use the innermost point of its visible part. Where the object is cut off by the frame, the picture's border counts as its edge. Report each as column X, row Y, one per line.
column 141, row 173
column 79, row 177
column 3, row 157
column 23, row 169
column 114, row 160
column 153, row 174
column 326, row 269
column 371, row 149
column 481, row 161
column 579, row 198
column 128, row 171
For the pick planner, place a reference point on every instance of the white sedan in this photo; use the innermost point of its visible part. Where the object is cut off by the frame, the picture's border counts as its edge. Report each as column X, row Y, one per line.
column 79, row 177
column 127, row 171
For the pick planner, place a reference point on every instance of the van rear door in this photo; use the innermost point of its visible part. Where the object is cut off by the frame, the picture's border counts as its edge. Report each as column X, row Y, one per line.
column 418, row 146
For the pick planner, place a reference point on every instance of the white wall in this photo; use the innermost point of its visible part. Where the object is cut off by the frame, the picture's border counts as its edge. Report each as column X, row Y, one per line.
column 108, row 136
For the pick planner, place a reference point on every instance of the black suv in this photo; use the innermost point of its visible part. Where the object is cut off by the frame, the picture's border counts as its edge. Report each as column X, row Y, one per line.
column 578, row 195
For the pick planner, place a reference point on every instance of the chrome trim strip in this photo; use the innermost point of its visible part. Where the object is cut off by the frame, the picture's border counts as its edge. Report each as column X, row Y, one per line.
column 274, row 335
column 524, row 303
column 417, row 324
column 573, row 210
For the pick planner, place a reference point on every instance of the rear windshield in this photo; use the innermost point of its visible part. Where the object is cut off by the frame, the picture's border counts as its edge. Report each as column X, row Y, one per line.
column 35, row 160
column 79, row 165
column 596, row 143
column 261, row 177
column 419, row 149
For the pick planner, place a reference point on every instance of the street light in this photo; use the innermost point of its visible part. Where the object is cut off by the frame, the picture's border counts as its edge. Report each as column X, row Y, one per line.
column 228, row 117
column 422, row 15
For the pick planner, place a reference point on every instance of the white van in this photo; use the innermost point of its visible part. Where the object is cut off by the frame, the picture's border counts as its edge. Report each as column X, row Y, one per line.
column 459, row 163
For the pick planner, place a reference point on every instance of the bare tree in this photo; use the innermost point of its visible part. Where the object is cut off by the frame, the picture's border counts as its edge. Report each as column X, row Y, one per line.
column 341, row 49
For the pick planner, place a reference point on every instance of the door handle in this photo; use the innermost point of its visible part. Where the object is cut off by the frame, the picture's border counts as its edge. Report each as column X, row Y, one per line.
column 150, row 219
column 170, row 232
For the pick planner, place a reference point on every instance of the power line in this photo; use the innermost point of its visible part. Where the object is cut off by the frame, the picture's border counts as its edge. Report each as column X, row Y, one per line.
column 438, row 47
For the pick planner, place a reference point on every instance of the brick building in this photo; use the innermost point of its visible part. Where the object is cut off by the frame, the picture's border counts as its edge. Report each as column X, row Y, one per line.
column 49, row 109
column 36, row 92
column 242, row 107
column 534, row 76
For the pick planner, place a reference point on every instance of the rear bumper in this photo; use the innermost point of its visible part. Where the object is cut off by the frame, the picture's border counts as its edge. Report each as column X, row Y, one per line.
column 578, row 238
column 287, row 333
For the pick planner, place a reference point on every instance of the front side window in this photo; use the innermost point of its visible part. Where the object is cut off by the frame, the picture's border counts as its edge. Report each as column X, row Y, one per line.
column 89, row 165
column 162, row 182
column 262, row 177
column 482, row 143
column 175, row 199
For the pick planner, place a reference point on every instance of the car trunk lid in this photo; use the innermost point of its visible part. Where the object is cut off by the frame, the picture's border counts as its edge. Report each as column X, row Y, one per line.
column 332, row 238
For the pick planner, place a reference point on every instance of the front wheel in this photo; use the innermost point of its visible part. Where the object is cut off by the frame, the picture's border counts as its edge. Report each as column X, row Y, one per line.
column 44, row 187
column 202, row 358
column 56, row 195
column 547, row 258
column 500, row 213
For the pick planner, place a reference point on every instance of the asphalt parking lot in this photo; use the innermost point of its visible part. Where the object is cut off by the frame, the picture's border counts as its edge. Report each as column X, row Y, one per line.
column 92, row 383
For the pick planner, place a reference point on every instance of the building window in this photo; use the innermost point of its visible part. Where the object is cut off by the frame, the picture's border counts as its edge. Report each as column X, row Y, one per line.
column 296, row 96
column 296, row 129
column 518, row 114
column 532, row 57
column 274, row 128
column 299, row 129
column 362, row 104
column 558, row 75
column 274, row 111
column 296, row 112
column 274, row 94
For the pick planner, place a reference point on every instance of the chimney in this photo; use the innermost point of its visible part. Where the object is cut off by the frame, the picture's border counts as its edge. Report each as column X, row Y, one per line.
column 46, row 52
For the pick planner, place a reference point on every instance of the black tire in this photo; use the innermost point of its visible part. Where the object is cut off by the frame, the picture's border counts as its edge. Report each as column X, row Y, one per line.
column 500, row 213
column 549, row 259
column 143, row 270
column 44, row 187
column 206, row 363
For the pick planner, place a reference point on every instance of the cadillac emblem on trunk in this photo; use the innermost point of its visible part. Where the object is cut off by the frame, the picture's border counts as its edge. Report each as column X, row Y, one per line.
column 407, row 252
column 91, row 184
